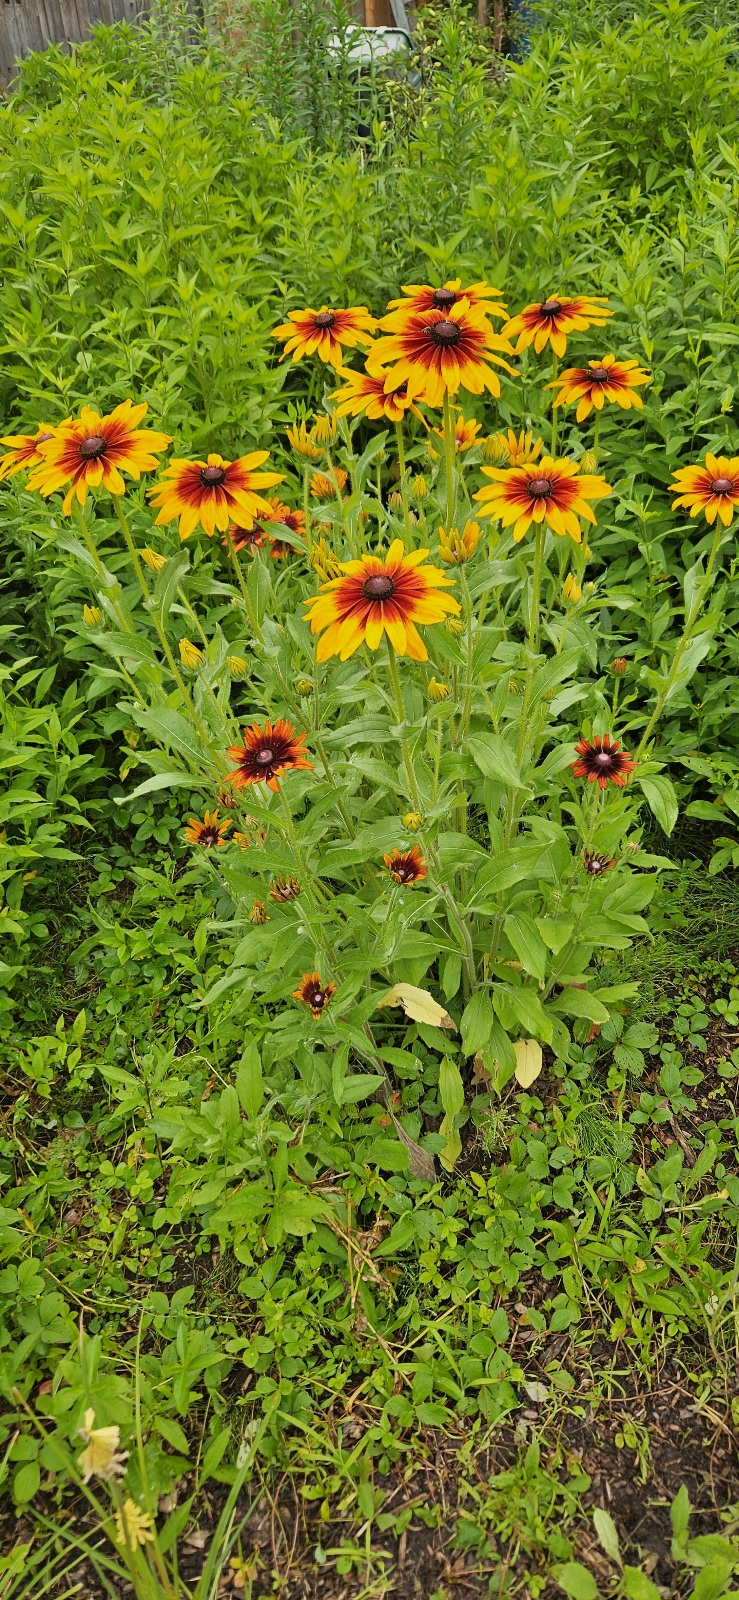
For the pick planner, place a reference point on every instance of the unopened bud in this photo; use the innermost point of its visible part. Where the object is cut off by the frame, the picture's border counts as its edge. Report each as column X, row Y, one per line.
column 432, row 453
column 323, row 431
column 454, row 626
column 513, row 687
column 258, row 913
column 236, row 666
column 419, row 488
column 437, row 691
column 92, row 616
column 588, row 461
column 412, row 821
column 571, row 590
column 619, row 666
column 305, row 687
column 633, row 847
column 395, row 501
column 495, row 448
column 152, row 559
column 190, row 656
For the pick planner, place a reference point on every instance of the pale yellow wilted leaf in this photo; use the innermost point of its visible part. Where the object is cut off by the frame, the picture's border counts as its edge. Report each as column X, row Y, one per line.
column 529, row 1061
column 417, row 1004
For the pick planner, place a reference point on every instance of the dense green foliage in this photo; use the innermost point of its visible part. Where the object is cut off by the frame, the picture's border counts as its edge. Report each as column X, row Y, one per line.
column 157, row 222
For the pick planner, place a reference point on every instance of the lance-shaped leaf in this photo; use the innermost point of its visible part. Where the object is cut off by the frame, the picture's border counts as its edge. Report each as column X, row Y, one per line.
column 417, row 1004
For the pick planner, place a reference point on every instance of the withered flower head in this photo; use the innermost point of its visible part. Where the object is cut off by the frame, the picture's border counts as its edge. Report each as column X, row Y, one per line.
column 282, row 890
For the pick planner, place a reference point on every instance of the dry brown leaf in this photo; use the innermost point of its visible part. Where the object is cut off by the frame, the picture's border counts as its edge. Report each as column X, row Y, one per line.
column 529, row 1061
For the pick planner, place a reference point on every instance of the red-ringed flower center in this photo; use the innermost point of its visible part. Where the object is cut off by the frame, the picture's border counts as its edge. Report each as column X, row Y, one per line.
column 379, row 587
column 722, row 486
column 443, row 299
column 539, row 488
column 211, row 477
column 599, row 374
column 92, row 447
column 445, row 333
column 604, row 758
column 265, row 756
column 325, row 319
column 550, row 308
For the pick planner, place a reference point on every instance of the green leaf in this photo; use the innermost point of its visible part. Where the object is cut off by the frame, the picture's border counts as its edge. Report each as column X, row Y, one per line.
column 580, row 1003
column 168, row 581
column 359, row 1086
column 161, row 780
column 174, row 1434
column 637, row 1586
column 496, row 759
column 576, row 1581
column 388, row 1154
column 660, row 796
column 26, row 1482
column 605, row 1528
column 477, row 1020
column 175, row 732
column 523, row 934
column 249, row 1084
column 214, row 1454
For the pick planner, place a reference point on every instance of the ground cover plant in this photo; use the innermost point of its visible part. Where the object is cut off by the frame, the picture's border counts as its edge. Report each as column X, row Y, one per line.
column 371, row 980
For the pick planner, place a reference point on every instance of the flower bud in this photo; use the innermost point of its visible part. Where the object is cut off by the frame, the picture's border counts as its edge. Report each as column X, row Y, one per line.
column 419, row 488
column 571, row 590
column 258, row 913
column 412, row 821
column 190, row 656
column 305, row 687
column 92, row 616
column 455, row 626
column 302, row 443
column 619, row 666
column 588, row 461
column 323, row 431
column 513, row 687
column 495, row 449
column 236, row 666
column 395, row 501
column 633, row 846
column 152, row 559
column 437, row 691
column 433, row 454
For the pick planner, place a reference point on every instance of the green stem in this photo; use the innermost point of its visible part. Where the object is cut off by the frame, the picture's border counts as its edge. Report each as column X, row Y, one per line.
column 403, row 483
column 692, row 617
column 541, row 534
column 132, row 551
column 469, row 686
column 555, row 413
column 99, row 568
column 596, row 438
column 253, row 623
column 450, row 449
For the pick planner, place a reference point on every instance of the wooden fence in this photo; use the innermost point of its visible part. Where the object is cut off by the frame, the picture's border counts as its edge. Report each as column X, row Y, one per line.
column 27, row 25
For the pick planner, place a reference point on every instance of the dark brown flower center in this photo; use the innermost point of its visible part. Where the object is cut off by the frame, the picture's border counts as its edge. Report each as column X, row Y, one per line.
column 325, row 319
column 265, row 756
column 599, row 374
column 539, row 488
column 550, row 308
column 443, row 299
column 722, row 486
column 209, row 836
column 379, row 587
column 317, row 998
column 210, row 477
column 605, row 758
column 445, row 332
column 93, row 446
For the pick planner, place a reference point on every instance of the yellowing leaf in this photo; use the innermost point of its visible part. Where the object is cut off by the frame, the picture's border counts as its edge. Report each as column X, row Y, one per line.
column 529, row 1061
column 417, row 1004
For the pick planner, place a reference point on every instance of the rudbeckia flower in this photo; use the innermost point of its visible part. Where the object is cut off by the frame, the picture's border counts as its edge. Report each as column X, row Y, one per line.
column 23, row 450
column 595, row 865
column 324, row 332
column 376, row 398
column 314, row 993
column 602, row 761
column 209, row 832
column 102, row 1456
column 324, row 488
column 303, row 442
column 133, row 1526
column 278, row 515
column 376, row 595
column 545, row 491
column 713, row 489
column 550, row 321
column 605, row 379
column 406, row 866
column 455, row 548
column 438, row 351
column 213, row 493
column 93, row 450
column 418, row 297
column 465, row 433
column 266, row 753
column 283, row 890
column 516, row 449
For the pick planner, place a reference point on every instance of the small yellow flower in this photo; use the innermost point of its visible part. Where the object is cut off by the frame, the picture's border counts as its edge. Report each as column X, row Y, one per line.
column 190, row 656
column 236, row 666
column 133, row 1526
column 571, row 590
column 412, row 821
column 419, row 488
column 456, row 548
column 515, row 450
column 437, row 691
column 465, row 433
column 305, row 687
column 102, row 1457
column 258, row 913
column 92, row 616
column 152, row 559
column 302, row 443
column 323, row 431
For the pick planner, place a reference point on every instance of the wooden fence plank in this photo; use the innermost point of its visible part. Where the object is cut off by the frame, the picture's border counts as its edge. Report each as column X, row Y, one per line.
column 28, row 25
